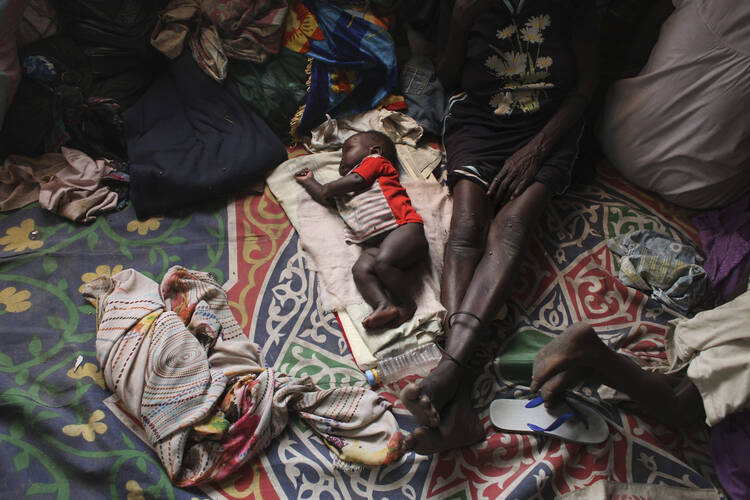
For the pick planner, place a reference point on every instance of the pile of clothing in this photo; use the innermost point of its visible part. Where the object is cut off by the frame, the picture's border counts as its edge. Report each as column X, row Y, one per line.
column 186, row 101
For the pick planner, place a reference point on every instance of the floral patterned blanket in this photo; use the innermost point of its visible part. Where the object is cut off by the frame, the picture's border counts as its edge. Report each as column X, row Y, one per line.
column 63, row 435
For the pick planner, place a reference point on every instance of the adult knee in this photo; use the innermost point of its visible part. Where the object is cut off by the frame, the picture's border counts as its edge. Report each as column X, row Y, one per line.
column 466, row 235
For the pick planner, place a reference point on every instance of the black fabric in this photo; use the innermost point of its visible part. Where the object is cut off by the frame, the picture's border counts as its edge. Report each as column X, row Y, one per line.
column 540, row 74
column 474, row 138
column 125, row 24
column 519, row 67
column 191, row 139
column 70, row 102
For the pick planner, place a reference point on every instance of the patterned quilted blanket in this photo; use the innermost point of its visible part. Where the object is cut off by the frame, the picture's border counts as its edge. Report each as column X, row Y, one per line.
column 63, row 435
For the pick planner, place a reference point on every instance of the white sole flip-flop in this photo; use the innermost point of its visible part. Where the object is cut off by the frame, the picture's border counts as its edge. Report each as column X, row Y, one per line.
column 568, row 420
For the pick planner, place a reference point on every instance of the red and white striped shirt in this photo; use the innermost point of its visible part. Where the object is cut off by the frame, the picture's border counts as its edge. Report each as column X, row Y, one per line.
column 381, row 208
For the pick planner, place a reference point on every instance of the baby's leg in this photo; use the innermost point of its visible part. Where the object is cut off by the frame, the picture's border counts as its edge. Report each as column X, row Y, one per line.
column 401, row 249
column 372, row 290
column 366, row 280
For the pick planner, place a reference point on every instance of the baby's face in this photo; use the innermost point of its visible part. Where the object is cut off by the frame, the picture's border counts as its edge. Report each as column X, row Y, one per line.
column 355, row 149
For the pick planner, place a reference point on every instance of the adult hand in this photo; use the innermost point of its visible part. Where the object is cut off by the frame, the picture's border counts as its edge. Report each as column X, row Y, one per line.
column 516, row 175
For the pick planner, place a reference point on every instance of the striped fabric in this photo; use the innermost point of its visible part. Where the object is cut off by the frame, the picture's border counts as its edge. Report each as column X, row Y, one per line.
column 175, row 356
column 470, row 172
column 366, row 214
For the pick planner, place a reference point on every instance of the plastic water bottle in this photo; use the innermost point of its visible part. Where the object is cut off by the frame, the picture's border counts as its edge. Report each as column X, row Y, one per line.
column 418, row 360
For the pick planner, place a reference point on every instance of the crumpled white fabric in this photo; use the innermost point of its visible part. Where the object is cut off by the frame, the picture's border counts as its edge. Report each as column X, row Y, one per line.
column 417, row 160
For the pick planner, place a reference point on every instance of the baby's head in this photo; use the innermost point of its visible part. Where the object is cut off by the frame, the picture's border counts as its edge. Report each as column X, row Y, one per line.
column 363, row 144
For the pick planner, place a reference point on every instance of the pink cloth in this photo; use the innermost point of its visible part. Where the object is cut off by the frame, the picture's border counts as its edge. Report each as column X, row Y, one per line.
column 20, row 178
column 67, row 184
column 75, row 192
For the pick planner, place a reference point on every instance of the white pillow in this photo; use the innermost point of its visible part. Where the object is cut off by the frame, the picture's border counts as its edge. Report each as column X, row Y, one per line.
column 681, row 128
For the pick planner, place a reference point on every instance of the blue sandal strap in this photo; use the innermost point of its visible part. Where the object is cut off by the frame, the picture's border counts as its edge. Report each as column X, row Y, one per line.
column 554, row 425
column 533, row 403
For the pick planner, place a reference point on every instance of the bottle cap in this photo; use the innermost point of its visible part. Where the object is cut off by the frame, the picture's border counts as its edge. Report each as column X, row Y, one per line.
column 372, row 377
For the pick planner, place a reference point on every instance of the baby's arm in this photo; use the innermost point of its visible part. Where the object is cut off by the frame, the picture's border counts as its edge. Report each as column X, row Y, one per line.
column 324, row 193
column 350, row 183
column 314, row 188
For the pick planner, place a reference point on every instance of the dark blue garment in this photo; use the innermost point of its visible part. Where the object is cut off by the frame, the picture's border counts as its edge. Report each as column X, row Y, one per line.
column 423, row 93
column 355, row 50
column 192, row 139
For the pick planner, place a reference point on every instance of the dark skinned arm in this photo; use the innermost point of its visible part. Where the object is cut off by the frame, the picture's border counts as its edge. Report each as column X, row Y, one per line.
column 519, row 170
column 451, row 64
column 325, row 193
column 350, row 183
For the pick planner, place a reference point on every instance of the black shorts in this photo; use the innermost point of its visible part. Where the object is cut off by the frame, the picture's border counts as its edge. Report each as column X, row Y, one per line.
column 477, row 143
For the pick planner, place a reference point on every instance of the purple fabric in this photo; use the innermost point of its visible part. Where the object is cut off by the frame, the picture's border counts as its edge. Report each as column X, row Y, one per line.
column 730, row 450
column 725, row 237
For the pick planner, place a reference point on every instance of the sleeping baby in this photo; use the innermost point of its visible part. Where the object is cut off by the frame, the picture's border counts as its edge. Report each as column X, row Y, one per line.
column 381, row 219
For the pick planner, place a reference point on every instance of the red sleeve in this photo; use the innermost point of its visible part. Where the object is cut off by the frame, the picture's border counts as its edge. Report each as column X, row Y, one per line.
column 371, row 168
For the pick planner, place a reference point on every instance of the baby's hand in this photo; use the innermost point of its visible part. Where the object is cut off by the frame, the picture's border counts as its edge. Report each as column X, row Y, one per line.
column 303, row 175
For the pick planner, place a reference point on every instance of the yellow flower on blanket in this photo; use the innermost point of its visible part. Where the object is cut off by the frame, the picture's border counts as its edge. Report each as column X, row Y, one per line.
column 301, row 27
column 19, row 238
column 88, row 370
column 135, row 492
column 101, row 270
column 14, row 300
column 88, row 430
column 144, row 227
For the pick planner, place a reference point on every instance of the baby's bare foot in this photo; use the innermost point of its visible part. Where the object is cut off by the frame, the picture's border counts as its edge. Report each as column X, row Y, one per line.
column 381, row 317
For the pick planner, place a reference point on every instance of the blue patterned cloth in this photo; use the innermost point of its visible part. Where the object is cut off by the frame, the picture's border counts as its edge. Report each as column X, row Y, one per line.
column 670, row 270
column 354, row 65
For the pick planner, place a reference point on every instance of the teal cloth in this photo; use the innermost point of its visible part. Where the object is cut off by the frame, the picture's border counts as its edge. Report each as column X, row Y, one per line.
column 516, row 360
column 274, row 89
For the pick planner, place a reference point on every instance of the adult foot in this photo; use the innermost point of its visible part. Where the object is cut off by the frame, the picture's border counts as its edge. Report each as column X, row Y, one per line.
column 460, row 427
column 565, row 361
column 426, row 398
column 381, row 317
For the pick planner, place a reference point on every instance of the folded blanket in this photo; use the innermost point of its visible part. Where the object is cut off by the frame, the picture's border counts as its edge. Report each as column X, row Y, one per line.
column 321, row 233
column 179, row 362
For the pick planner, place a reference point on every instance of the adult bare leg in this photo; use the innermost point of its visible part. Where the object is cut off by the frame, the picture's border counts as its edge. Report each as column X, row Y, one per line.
column 672, row 400
column 485, row 294
column 470, row 222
